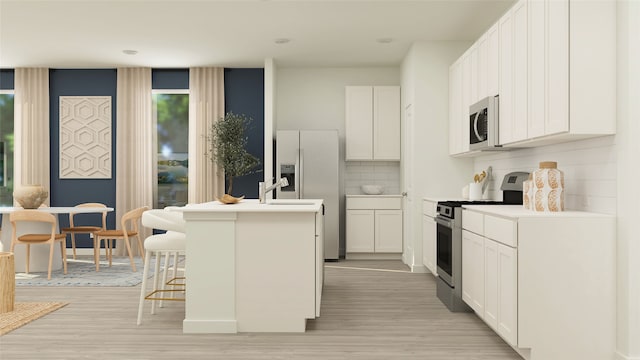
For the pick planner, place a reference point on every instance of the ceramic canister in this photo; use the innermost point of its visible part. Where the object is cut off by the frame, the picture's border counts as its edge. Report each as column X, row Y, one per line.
column 548, row 187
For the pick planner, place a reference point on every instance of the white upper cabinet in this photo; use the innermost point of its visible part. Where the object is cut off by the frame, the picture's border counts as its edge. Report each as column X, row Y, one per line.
column 520, row 57
column 560, row 89
column 459, row 101
column 505, row 90
column 539, row 58
column 513, row 74
column 372, row 122
column 455, row 107
column 386, row 123
column 359, row 124
column 493, row 60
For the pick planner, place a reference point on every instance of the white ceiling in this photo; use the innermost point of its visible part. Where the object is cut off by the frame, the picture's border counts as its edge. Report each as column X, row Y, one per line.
column 240, row 33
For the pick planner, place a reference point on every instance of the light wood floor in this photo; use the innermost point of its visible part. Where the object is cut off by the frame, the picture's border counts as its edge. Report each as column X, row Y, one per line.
column 365, row 314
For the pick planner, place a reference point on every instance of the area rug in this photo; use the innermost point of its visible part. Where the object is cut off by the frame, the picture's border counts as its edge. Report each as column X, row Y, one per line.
column 24, row 313
column 82, row 272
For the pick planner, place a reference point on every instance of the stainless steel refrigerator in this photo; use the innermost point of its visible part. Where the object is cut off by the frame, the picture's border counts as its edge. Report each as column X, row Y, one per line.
column 309, row 161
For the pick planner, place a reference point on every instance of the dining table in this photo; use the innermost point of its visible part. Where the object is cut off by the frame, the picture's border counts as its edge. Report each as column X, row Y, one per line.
column 39, row 255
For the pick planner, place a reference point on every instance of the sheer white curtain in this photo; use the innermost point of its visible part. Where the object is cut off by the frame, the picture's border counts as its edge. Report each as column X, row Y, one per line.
column 31, row 129
column 206, row 106
column 134, row 142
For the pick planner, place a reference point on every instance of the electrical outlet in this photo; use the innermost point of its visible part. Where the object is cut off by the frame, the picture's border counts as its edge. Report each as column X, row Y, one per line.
column 91, row 235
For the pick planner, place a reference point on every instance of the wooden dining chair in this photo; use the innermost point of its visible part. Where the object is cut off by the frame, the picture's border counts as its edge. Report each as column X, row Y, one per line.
column 129, row 229
column 45, row 238
column 74, row 228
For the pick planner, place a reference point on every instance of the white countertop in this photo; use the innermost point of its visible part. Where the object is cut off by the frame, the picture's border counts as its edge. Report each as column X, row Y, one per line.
column 253, row 205
column 374, row 196
column 443, row 198
column 518, row 211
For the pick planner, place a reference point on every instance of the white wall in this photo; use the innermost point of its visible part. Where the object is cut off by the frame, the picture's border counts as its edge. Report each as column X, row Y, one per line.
column 384, row 173
column 314, row 98
column 589, row 168
column 427, row 166
column 628, row 133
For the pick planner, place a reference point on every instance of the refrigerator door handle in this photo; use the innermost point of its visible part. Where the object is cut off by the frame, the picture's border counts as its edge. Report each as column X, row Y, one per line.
column 297, row 175
column 301, row 193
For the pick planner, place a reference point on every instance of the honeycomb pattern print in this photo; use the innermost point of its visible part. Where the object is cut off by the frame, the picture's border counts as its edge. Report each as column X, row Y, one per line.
column 85, row 137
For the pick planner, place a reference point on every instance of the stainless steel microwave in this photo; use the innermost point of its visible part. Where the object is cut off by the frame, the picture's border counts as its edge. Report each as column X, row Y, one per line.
column 483, row 125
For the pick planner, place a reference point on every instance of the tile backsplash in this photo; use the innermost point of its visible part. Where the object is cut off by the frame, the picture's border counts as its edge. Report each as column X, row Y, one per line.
column 385, row 173
column 589, row 168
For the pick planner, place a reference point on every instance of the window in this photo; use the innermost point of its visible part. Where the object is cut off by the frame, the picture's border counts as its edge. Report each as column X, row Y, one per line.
column 6, row 147
column 171, row 116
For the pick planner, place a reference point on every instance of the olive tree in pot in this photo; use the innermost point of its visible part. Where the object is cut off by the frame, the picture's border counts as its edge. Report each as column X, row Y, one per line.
column 227, row 146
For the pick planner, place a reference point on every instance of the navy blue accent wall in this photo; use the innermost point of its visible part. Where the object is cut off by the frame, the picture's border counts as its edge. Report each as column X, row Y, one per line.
column 244, row 94
column 170, row 79
column 70, row 192
column 7, row 79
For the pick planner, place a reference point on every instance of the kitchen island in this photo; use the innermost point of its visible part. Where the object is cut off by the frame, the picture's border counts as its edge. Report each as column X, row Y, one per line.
column 253, row 267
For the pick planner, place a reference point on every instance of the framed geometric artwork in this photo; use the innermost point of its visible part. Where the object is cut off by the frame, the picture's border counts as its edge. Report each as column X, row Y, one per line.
column 85, row 137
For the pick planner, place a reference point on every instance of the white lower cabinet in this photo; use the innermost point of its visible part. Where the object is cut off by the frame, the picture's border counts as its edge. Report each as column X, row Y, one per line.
column 489, row 274
column 507, row 293
column 473, row 271
column 374, row 225
column 388, row 231
column 500, row 289
column 429, row 231
column 533, row 276
column 360, row 230
column 491, row 283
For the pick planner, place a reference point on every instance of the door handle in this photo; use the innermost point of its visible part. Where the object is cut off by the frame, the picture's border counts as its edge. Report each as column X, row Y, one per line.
column 301, row 174
column 475, row 127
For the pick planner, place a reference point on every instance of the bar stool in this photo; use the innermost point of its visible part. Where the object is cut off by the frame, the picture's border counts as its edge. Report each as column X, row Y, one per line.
column 171, row 243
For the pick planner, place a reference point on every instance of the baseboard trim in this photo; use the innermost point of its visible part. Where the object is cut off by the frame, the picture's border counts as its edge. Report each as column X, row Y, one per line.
column 373, row 256
column 420, row 269
column 620, row 356
column 81, row 251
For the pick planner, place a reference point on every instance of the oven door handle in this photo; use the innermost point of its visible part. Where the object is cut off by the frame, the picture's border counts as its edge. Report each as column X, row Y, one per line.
column 444, row 222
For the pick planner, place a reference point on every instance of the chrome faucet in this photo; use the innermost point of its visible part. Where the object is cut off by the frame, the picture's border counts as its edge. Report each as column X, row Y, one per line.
column 263, row 189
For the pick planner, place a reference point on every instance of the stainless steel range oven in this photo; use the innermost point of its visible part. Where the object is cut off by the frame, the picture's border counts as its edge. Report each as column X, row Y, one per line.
column 449, row 240
column 449, row 254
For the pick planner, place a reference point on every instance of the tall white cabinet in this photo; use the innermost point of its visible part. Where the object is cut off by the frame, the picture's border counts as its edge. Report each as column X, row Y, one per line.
column 372, row 129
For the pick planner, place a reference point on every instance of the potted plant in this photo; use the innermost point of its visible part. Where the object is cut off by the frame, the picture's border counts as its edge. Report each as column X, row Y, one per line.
column 227, row 146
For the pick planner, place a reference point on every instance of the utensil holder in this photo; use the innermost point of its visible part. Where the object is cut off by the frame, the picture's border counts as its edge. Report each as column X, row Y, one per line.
column 475, row 191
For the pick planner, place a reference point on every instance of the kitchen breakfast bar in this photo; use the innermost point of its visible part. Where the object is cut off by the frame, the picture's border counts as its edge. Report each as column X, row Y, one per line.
column 253, row 267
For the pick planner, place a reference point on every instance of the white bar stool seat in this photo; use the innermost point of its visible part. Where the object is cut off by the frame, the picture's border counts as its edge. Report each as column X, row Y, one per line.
column 171, row 243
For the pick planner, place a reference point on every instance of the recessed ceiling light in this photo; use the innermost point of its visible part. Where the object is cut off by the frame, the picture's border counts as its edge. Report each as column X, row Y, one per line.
column 282, row 41
column 130, row 52
column 384, row 40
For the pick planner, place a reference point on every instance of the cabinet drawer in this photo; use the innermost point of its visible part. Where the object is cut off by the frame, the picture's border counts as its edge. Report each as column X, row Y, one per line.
column 473, row 221
column 429, row 208
column 501, row 230
column 363, row 203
